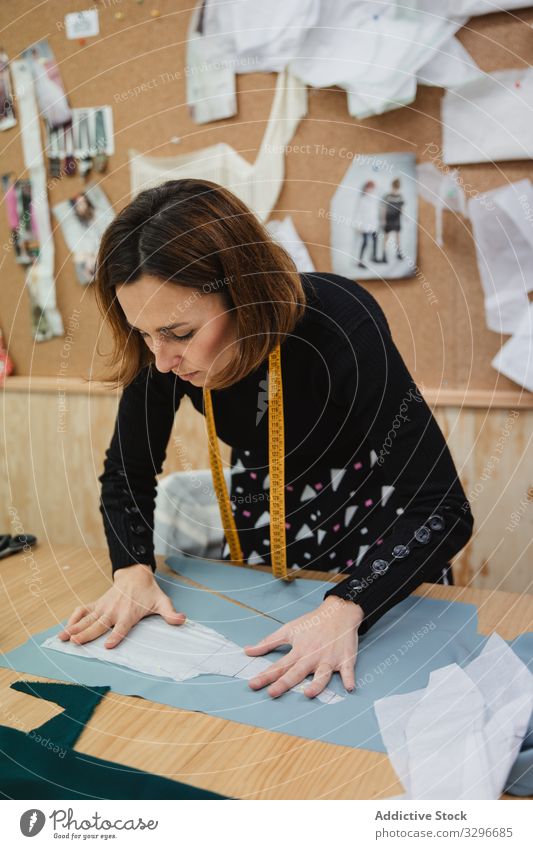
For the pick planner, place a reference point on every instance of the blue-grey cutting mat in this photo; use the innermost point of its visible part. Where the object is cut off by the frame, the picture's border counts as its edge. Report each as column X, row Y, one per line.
column 396, row 656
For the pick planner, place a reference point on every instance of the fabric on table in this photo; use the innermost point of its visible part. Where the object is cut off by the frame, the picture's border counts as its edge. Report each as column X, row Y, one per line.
column 459, row 737
column 397, row 656
column 160, row 649
column 41, row 764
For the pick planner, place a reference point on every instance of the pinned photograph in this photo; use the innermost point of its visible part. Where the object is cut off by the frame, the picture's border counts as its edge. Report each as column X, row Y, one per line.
column 373, row 218
column 83, row 219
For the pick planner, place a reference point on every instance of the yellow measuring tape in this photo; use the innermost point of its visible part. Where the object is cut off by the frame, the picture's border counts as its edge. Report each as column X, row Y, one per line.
column 276, row 449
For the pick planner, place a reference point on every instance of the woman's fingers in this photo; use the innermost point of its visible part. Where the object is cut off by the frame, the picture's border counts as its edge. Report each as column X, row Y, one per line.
column 81, row 624
column 166, row 609
column 347, row 672
column 273, row 641
column 292, row 677
column 75, row 617
column 272, row 673
column 321, row 678
column 118, row 633
column 93, row 630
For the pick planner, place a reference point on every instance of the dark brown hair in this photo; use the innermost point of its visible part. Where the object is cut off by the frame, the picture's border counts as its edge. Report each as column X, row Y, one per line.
column 199, row 234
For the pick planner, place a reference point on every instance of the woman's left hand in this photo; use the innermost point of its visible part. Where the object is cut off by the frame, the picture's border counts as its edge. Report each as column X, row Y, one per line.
column 323, row 642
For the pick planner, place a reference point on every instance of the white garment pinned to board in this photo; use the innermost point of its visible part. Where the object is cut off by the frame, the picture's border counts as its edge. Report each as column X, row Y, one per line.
column 502, row 223
column 258, row 184
column 443, row 190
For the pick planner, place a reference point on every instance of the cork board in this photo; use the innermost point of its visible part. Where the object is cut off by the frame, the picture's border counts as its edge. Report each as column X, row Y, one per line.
column 444, row 342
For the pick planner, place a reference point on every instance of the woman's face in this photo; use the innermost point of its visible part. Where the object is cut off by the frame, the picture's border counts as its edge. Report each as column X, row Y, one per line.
column 190, row 332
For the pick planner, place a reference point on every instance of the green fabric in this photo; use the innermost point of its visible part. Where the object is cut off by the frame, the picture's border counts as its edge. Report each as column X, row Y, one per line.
column 43, row 765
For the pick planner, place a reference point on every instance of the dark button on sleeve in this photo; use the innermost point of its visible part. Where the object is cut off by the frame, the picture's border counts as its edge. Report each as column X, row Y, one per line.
column 139, row 550
column 422, row 535
column 131, row 508
column 379, row 567
column 139, row 528
column 400, row 551
column 436, row 522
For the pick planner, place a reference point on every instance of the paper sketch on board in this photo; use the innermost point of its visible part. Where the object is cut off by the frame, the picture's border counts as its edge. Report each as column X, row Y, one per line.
column 502, row 224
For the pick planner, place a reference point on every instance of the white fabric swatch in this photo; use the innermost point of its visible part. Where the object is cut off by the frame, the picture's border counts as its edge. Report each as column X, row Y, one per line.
column 259, row 183
column 459, row 737
column 180, row 652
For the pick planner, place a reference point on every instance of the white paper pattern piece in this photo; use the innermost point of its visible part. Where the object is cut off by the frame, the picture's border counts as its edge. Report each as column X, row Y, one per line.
column 179, row 652
column 489, row 119
column 210, row 77
column 502, row 223
column 82, row 24
column 459, row 737
column 443, row 191
column 284, row 232
column 515, row 359
column 258, row 184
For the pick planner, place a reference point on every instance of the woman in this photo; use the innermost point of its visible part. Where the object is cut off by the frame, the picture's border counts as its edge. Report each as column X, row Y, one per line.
column 198, row 296
column 367, row 220
column 392, row 207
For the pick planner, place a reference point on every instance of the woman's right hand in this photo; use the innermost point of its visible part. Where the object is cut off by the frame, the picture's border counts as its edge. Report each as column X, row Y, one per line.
column 135, row 594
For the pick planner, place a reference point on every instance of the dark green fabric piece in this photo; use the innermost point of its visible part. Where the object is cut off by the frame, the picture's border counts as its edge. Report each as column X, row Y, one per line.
column 42, row 765
column 79, row 703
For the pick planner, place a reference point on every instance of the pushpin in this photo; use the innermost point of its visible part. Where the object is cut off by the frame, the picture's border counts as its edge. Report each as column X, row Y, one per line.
column 119, row 16
column 155, row 13
column 82, row 41
column 175, row 140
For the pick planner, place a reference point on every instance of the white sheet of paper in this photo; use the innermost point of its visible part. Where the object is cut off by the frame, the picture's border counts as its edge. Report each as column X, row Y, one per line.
column 82, row 24
column 179, row 652
column 502, row 223
column 284, row 232
column 515, row 359
column 459, row 737
column 210, row 77
column 259, row 183
column 488, row 119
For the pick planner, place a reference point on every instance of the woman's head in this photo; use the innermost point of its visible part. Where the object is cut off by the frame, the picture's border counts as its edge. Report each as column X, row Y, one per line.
column 191, row 281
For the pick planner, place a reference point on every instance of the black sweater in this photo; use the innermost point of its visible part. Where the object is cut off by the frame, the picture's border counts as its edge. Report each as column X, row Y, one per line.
column 343, row 380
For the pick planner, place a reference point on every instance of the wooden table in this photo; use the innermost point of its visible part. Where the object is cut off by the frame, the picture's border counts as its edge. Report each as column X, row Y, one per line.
column 42, row 588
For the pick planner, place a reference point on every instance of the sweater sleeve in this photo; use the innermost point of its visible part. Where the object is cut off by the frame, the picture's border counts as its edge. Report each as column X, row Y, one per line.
column 389, row 414
column 135, row 456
